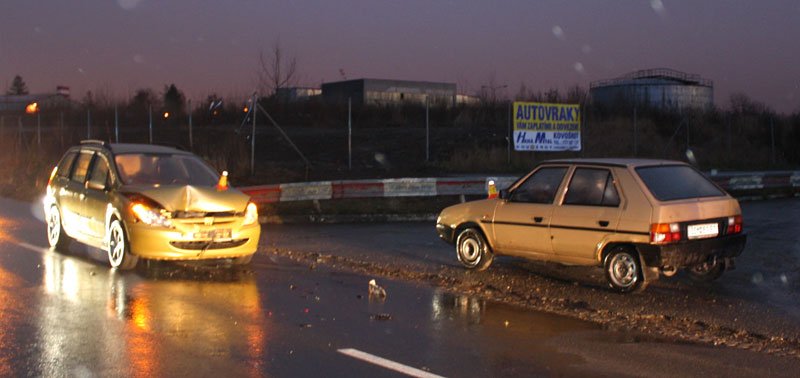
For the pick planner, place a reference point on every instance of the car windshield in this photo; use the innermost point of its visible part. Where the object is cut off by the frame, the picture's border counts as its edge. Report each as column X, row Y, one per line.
column 164, row 169
column 674, row 182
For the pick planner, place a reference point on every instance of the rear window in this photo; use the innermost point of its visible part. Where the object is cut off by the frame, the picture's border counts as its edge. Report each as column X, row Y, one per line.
column 674, row 182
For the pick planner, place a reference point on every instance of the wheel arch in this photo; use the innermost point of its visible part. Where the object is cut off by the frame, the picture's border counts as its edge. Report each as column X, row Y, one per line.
column 470, row 224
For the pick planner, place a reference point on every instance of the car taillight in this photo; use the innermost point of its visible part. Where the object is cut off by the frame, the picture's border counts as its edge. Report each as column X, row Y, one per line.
column 734, row 225
column 52, row 176
column 663, row 233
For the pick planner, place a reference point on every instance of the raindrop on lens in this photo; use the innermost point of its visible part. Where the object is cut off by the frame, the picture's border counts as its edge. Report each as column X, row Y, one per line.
column 758, row 278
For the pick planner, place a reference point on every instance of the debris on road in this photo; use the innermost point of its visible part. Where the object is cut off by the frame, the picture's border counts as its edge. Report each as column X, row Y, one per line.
column 376, row 291
column 381, row 317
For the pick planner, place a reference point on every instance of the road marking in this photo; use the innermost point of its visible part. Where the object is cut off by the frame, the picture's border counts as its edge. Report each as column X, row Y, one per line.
column 389, row 364
column 31, row 247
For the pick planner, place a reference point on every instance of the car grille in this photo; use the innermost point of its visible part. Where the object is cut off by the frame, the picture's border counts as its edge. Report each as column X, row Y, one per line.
column 198, row 245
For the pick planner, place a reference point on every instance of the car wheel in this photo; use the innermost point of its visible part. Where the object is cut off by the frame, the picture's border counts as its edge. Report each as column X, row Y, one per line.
column 242, row 260
column 119, row 254
column 472, row 250
column 707, row 272
column 624, row 270
column 56, row 237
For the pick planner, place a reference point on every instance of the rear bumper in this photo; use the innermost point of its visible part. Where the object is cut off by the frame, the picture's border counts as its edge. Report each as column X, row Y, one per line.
column 692, row 252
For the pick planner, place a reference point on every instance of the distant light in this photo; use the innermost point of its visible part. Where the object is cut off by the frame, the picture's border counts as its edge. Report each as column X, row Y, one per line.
column 246, row 109
column 166, row 115
column 32, row 108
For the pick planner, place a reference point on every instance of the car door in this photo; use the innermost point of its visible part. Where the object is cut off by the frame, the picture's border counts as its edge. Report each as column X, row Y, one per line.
column 589, row 211
column 95, row 203
column 73, row 194
column 521, row 221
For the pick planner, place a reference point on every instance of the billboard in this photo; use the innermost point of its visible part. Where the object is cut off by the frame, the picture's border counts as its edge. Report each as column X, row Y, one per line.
column 541, row 126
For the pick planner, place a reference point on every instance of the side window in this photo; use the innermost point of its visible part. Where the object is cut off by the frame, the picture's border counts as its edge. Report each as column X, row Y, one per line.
column 592, row 187
column 99, row 174
column 540, row 187
column 65, row 165
column 81, row 166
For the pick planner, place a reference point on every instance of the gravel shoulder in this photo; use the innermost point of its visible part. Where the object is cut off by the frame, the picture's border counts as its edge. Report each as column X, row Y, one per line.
column 754, row 307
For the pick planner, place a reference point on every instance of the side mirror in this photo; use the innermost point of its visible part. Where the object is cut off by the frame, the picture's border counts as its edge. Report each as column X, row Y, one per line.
column 504, row 194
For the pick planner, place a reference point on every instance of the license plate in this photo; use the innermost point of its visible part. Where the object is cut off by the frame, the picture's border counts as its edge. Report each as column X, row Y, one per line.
column 220, row 234
column 699, row 231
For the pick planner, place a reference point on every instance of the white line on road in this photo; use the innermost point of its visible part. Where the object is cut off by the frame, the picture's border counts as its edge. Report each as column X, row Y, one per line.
column 389, row 364
column 31, row 247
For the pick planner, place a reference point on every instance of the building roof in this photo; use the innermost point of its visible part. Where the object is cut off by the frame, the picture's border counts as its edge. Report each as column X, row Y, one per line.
column 662, row 74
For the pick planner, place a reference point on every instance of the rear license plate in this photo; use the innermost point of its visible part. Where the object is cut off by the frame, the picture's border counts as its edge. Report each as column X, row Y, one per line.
column 699, row 231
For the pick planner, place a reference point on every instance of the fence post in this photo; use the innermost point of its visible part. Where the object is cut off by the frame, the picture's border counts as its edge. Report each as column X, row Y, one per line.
column 116, row 124
column 253, row 138
column 510, row 134
column 150, row 112
column 427, row 131
column 88, row 123
column 191, row 139
column 349, row 135
column 772, row 139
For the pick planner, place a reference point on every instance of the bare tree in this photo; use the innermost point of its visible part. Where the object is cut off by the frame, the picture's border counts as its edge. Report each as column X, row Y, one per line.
column 276, row 70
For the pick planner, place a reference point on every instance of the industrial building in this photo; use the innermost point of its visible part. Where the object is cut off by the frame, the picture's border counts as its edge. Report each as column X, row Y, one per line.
column 19, row 104
column 389, row 92
column 661, row 88
column 294, row 94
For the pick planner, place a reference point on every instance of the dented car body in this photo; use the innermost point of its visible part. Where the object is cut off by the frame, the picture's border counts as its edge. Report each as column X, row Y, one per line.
column 636, row 218
column 147, row 201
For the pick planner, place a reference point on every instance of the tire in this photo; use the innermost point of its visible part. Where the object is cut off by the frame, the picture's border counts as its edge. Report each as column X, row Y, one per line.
column 119, row 254
column 472, row 250
column 706, row 272
column 56, row 237
column 624, row 270
column 242, row 260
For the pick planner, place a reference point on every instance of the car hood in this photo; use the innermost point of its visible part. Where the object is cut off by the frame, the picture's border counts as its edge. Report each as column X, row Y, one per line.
column 193, row 198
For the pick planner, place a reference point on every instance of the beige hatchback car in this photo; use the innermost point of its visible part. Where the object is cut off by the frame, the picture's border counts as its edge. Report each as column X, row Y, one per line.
column 636, row 218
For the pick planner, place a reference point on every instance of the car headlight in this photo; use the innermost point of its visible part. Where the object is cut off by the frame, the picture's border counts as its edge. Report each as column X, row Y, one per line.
column 250, row 214
column 150, row 216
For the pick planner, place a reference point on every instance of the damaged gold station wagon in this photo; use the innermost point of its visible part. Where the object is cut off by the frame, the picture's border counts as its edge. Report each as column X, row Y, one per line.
column 636, row 218
column 148, row 201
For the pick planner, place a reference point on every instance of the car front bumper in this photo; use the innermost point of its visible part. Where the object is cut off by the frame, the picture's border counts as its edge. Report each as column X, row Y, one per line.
column 182, row 244
column 692, row 252
column 445, row 232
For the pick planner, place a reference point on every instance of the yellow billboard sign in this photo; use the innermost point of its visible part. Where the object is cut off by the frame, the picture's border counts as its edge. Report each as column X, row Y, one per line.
column 541, row 126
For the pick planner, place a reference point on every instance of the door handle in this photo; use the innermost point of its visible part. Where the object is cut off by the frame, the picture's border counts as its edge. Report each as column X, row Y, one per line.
column 538, row 219
column 603, row 223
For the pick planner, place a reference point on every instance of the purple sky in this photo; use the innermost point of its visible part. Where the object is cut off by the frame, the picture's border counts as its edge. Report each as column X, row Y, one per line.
column 114, row 47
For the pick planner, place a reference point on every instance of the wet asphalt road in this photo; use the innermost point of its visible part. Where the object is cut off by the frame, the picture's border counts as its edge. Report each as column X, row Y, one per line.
column 67, row 314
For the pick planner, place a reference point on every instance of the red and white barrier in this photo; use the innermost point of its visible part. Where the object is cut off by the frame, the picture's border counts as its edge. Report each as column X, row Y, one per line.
column 454, row 186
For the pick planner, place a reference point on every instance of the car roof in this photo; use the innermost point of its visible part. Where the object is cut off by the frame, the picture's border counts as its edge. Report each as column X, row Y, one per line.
column 127, row 148
column 617, row 162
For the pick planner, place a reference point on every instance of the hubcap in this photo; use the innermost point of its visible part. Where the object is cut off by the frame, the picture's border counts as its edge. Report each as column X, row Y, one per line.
column 622, row 270
column 470, row 250
column 116, row 244
column 53, row 227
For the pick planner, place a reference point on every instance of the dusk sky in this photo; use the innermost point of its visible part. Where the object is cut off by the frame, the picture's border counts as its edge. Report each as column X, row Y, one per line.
column 114, row 47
